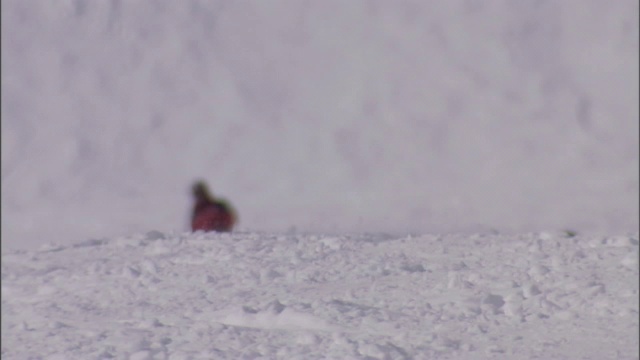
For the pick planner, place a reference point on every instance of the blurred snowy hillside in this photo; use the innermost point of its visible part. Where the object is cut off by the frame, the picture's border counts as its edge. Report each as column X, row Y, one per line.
column 321, row 115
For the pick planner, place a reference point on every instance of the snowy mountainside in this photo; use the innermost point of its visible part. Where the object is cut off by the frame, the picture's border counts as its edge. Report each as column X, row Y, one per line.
column 253, row 295
column 517, row 116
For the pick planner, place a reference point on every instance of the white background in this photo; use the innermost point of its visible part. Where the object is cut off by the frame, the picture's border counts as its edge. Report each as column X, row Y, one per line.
column 330, row 116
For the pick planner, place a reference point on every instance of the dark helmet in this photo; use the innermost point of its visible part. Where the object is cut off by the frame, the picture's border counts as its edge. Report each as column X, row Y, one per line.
column 201, row 190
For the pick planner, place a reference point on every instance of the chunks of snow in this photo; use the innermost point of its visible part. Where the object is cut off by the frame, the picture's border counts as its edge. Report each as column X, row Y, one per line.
column 257, row 295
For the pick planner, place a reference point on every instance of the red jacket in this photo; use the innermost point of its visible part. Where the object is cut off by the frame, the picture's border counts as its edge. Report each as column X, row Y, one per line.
column 210, row 214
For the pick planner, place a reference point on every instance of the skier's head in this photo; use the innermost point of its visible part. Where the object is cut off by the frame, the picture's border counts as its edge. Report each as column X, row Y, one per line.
column 200, row 190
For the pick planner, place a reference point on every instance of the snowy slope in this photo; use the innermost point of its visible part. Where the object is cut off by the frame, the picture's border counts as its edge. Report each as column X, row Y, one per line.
column 320, row 115
column 296, row 296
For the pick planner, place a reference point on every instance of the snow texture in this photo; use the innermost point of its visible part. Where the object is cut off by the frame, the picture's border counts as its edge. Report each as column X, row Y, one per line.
column 404, row 173
column 297, row 296
column 327, row 116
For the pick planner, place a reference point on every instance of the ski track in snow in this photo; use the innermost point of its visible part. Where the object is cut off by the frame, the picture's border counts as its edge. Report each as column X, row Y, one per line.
column 294, row 296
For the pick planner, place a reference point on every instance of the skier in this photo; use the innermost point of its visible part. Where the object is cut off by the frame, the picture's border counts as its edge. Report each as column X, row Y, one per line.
column 209, row 213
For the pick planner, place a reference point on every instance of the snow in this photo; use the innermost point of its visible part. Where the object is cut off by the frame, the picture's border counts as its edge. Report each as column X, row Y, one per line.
column 414, row 179
column 459, row 115
column 250, row 295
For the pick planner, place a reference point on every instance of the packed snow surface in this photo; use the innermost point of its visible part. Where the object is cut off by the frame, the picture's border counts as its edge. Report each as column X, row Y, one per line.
column 302, row 296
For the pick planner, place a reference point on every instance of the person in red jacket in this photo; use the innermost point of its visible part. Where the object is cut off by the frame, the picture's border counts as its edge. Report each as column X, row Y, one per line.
column 209, row 213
